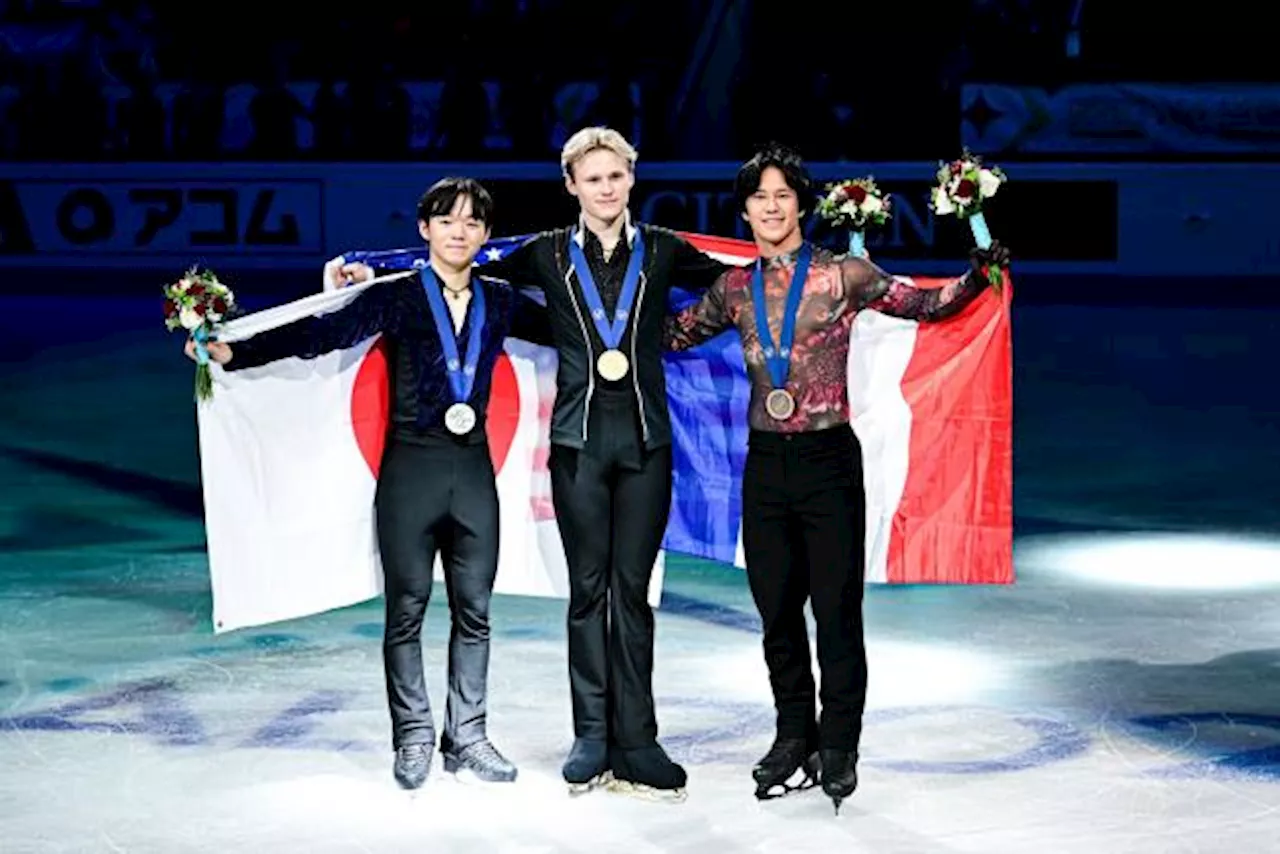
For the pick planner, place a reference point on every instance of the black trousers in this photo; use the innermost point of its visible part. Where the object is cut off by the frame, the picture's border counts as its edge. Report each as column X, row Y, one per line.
column 439, row 496
column 804, row 520
column 612, row 500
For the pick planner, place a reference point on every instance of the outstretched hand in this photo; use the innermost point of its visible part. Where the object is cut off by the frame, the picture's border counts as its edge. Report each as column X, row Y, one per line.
column 996, row 256
column 991, row 262
column 338, row 275
column 220, row 353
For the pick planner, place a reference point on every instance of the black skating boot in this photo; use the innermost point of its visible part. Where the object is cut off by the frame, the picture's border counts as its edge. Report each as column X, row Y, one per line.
column 587, row 766
column 791, row 765
column 839, row 774
column 481, row 758
column 647, row 772
column 413, row 764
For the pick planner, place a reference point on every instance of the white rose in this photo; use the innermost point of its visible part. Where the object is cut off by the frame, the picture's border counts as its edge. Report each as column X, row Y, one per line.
column 848, row 208
column 988, row 183
column 941, row 204
column 189, row 319
column 872, row 204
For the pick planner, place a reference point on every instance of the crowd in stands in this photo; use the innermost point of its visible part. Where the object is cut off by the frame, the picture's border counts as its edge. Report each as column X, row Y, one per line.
column 148, row 80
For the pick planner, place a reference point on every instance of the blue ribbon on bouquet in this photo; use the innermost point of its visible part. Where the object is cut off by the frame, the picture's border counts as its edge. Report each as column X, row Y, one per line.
column 857, row 244
column 201, row 336
column 982, row 237
column 981, row 234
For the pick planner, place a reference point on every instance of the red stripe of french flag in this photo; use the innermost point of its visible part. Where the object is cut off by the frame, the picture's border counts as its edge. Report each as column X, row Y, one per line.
column 932, row 407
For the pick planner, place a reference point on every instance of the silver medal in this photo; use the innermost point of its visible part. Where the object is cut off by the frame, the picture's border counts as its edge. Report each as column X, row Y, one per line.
column 460, row 419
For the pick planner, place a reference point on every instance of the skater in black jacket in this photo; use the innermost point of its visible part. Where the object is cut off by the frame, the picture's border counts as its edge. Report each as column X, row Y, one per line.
column 606, row 280
column 436, row 492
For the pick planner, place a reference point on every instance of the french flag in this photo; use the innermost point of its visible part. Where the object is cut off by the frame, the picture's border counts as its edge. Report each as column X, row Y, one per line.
column 290, row 454
column 932, row 405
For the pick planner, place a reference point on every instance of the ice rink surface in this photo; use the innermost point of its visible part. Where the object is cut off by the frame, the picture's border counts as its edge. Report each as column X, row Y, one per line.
column 1123, row 696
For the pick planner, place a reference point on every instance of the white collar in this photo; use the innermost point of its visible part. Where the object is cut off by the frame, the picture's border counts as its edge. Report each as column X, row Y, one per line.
column 628, row 229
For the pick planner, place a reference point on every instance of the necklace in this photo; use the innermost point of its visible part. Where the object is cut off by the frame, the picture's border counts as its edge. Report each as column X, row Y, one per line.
column 455, row 295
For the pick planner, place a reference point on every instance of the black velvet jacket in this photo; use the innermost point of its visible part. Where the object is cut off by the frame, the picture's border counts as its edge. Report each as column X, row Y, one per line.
column 670, row 261
column 399, row 310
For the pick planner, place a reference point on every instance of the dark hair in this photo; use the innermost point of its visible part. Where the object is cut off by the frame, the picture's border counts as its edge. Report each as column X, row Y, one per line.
column 443, row 195
column 787, row 161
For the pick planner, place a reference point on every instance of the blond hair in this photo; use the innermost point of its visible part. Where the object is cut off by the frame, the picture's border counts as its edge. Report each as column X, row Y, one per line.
column 588, row 140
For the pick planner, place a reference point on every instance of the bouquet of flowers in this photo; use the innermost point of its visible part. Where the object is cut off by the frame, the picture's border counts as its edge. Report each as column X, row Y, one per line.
column 963, row 188
column 855, row 204
column 964, row 185
column 197, row 303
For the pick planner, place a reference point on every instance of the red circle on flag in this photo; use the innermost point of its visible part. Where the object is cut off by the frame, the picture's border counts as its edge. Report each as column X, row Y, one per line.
column 371, row 408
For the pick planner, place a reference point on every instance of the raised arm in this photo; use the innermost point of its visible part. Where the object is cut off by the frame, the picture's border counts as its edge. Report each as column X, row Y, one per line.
column 368, row 314
column 873, row 288
column 694, row 270
column 700, row 322
column 529, row 319
column 519, row 266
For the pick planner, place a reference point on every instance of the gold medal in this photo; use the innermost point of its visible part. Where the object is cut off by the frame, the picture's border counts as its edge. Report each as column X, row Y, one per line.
column 780, row 404
column 613, row 365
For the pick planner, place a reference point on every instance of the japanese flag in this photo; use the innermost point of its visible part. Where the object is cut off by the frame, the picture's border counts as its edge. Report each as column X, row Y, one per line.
column 290, row 453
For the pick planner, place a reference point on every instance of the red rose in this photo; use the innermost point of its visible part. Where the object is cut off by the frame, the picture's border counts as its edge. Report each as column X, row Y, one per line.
column 965, row 188
column 169, row 307
column 199, row 309
column 855, row 193
column 220, row 305
column 196, row 290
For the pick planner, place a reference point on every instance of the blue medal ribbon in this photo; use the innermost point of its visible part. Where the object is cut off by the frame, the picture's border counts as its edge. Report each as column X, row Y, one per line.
column 610, row 332
column 462, row 376
column 778, row 358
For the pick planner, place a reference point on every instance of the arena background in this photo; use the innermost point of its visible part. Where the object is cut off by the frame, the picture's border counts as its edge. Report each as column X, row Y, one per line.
column 1121, row 697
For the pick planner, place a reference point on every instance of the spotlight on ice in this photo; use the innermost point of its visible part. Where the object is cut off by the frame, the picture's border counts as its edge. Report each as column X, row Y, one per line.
column 1159, row 561
column 908, row 673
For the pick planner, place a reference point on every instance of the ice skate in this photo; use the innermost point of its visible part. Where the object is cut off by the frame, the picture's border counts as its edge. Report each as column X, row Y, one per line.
column 648, row 773
column 839, row 775
column 791, row 765
column 587, row 766
column 481, row 759
column 413, row 764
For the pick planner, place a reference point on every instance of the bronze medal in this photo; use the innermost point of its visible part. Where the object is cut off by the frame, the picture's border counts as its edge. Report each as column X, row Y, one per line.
column 780, row 404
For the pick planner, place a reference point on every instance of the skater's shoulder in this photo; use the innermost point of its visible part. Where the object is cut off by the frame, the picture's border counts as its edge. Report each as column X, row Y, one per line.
column 552, row 235
column 540, row 240
column 659, row 231
column 660, row 235
column 824, row 256
column 494, row 285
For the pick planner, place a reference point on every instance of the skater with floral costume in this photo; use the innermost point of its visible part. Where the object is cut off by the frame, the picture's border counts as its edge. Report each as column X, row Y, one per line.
column 804, row 503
